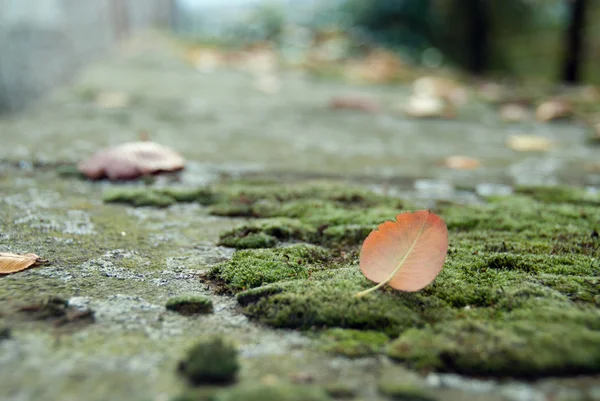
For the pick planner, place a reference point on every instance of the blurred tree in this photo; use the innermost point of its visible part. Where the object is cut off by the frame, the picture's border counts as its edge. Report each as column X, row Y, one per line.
column 574, row 46
column 405, row 24
column 477, row 36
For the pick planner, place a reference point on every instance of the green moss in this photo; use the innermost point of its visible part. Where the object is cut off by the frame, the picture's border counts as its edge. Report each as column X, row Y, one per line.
column 517, row 266
column 512, row 348
column 346, row 234
column 204, row 393
column 68, row 171
column 254, row 267
column 402, row 391
column 353, row 343
column 266, row 234
column 138, row 197
column 327, row 300
column 274, row 392
column 210, row 361
column 515, row 259
column 341, row 390
column 252, row 295
column 203, row 196
column 248, row 240
column 190, row 304
column 559, row 194
column 158, row 197
column 5, row 333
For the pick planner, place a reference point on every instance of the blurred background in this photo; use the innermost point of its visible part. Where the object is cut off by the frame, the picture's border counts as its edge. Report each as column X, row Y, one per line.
column 44, row 42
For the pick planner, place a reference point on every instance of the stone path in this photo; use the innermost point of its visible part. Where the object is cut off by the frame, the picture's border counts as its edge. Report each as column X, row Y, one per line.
column 124, row 263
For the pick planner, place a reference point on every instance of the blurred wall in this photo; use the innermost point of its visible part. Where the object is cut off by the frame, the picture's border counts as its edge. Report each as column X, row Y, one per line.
column 43, row 42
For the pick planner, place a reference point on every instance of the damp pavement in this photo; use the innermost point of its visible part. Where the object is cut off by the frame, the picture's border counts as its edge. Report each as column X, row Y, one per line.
column 225, row 127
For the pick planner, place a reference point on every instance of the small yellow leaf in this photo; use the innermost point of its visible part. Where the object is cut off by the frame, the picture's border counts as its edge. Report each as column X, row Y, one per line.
column 554, row 109
column 529, row 143
column 462, row 163
column 12, row 263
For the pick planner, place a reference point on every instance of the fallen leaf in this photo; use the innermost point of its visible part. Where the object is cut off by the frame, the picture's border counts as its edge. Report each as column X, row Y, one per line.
column 421, row 106
column 593, row 168
column 12, row 263
column 514, row 112
column 379, row 66
column 529, row 143
column 492, row 92
column 354, row 103
column 462, row 163
column 208, row 60
column 130, row 161
column 440, row 87
column 407, row 254
column 554, row 109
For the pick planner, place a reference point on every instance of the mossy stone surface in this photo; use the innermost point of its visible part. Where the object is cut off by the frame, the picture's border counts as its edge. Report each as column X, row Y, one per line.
column 273, row 392
column 125, row 262
column 514, row 263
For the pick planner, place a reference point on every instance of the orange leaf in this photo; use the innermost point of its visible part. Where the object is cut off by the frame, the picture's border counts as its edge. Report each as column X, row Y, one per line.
column 12, row 263
column 407, row 253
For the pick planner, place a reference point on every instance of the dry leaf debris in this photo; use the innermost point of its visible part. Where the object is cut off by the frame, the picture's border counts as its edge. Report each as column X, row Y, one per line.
column 130, row 161
column 13, row 263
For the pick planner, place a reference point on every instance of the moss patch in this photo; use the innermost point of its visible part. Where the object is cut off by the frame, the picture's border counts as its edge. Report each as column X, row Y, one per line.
column 189, row 305
column 327, row 300
column 518, row 262
column 210, row 361
column 255, row 267
column 266, row 234
column 559, row 194
column 402, row 391
column 158, row 197
column 506, row 348
column 352, row 343
column 327, row 214
column 515, row 263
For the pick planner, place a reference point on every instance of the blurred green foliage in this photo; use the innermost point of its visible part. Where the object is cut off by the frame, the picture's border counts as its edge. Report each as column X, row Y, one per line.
column 526, row 38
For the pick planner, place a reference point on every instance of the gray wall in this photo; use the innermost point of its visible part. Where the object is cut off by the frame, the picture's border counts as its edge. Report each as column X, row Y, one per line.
column 43, row 42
